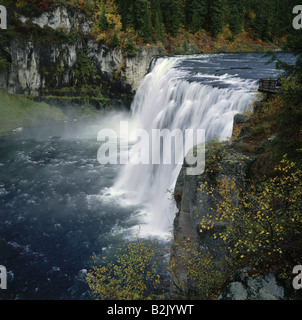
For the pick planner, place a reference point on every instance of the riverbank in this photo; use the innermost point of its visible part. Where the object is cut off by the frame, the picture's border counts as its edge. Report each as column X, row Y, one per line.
column 17, row 111
column 202, row 42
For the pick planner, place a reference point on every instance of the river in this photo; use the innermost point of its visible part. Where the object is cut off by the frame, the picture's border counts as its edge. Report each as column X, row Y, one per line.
column 60, row 206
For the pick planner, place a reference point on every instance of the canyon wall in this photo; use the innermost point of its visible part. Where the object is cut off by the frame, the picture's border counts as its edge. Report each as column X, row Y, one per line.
column 61, row 58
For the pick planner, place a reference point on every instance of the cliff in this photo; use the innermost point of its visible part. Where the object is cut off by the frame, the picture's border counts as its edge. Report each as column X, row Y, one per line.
column 54, row 57
column 195, row 203
column 202, row 257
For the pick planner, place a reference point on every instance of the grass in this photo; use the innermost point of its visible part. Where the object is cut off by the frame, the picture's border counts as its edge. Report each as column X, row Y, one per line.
column 19, row 111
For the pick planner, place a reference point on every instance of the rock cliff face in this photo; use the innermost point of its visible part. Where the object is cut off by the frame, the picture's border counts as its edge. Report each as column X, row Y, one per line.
column 62, row 54
column 195, row 202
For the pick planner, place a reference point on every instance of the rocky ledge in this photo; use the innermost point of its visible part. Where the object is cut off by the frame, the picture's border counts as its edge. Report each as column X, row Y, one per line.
column 191, row 246
column 54, row 55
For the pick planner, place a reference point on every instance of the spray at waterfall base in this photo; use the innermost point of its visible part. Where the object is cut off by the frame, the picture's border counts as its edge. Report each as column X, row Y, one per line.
column 159, row 146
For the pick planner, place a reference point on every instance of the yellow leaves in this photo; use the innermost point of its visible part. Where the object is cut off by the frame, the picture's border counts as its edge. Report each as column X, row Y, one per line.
column 131, row 275
column 114, row 20
column 261, row 218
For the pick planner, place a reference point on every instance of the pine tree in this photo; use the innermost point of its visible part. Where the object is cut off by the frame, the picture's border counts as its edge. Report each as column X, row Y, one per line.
column 217, row 9
column 157, row 20
column 235, row 20
column 127, row 13
column 196, row 15
column 266, row 24
column 142, row 19
column 158, row 26
column 103, row 21
column 115, row 41
column 173, row 14
column 131, row 48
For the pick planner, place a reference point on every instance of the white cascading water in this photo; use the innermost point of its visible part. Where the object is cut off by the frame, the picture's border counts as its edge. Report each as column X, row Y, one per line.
column 166, row 100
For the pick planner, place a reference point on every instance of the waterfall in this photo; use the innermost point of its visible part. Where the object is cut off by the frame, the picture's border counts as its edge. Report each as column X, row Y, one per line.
column 169, row 98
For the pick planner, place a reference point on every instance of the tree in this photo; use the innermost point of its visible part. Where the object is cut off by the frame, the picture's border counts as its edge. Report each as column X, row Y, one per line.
column 266, row 22
column 133, row 274
column 217, row 9
column 142, row 19
column 157, row 20
column 235, row 20
column 131, row 48
column 158, row 26
column 263, row 220
column 289, row 109
column 173, row 15
column 103, row 20
column 115, row 41
column 196, row 15
column 125, row 6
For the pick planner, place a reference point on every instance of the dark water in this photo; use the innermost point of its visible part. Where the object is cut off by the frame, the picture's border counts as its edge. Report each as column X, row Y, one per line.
column 53, row 218
column 54, row 210
column 224, row 70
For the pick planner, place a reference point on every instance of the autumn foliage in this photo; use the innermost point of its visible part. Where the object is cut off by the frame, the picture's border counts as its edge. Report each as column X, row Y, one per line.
column 264, row 220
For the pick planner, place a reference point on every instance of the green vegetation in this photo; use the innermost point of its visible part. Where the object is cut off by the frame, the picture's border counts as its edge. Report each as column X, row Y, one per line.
column 264, row 220
column 204, row 275
column 156, row 21
column 135, row 273
column 17, row 111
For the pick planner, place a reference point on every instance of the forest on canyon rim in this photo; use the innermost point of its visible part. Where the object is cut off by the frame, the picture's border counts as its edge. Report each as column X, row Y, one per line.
column 122, row 22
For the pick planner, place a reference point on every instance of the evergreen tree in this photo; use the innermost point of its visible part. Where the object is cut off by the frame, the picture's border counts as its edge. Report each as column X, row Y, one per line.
column 127, row 13
column 196, row 15
column 266, row 22
column 217, row 10
column 155, row 8
column 115, row 41
column 267, row 19
column 157, row 20
column 235, row 20
column 103, row 21
column 158, row 26
column 142, row 19
column 289, row 119
column 284, row 16
column 131, row 48
column 173, row 14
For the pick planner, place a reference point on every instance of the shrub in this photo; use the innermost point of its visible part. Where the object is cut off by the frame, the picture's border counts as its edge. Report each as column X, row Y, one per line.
column 264, row 221
column 133, row 274
column 197, row 273
column 131, row 48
